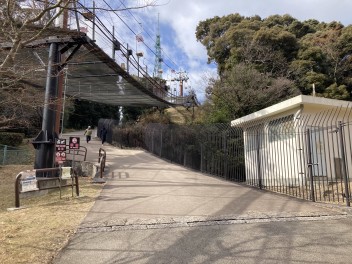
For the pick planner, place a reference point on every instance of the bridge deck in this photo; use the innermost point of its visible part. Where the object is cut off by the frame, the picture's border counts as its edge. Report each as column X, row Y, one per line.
column 91, row 74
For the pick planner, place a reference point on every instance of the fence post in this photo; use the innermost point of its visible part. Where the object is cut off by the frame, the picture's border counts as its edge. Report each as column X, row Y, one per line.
column 4, row 158
column 17, row 190
column 343, row 165
column 310, row 166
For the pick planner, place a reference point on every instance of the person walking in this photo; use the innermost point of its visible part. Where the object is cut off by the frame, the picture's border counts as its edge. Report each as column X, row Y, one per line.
column 88, row 134
column 103, row 133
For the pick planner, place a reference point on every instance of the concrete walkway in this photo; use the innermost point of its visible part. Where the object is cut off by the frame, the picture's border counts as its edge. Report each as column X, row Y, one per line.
column 152, row 211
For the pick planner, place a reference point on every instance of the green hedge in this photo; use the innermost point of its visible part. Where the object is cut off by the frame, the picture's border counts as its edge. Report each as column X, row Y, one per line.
column 11, row 139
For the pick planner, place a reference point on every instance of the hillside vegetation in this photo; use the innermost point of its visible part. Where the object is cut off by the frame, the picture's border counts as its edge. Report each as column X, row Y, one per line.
column 264, row 61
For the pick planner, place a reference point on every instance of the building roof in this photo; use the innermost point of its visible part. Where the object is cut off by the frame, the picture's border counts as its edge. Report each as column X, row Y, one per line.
column 289, row 104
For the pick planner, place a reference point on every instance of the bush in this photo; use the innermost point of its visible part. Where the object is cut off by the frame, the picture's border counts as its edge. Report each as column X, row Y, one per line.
column 11, row 139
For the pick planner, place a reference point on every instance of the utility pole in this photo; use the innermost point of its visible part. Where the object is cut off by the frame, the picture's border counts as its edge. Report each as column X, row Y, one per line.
column 181, row 78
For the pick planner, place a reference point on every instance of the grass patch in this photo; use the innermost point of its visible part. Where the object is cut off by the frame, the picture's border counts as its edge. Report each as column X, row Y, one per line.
column 36, row 233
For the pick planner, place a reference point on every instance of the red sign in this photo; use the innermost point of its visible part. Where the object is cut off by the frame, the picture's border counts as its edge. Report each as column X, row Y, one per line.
column 74, row 143
column 60, row 155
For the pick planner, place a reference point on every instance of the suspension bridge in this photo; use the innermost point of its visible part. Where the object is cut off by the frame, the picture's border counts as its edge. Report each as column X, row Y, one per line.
column 67, row 62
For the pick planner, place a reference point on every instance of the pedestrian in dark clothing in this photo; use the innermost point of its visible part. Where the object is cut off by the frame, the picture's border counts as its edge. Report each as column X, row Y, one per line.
column 103, row 133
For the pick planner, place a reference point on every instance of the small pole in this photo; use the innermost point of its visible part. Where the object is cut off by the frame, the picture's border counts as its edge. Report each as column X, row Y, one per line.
column 73, row 160
column 77, row 184
column 71, row 174
column 17, row 190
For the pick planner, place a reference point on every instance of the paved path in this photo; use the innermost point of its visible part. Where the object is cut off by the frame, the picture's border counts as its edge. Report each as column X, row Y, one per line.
column 152, row 211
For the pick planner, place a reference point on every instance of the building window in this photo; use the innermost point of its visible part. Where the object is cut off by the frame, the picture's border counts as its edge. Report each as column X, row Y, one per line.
column 281, row 128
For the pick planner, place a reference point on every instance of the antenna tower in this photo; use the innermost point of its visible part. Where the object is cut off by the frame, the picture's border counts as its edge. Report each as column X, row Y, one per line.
column 158, row 59
column 181, row 78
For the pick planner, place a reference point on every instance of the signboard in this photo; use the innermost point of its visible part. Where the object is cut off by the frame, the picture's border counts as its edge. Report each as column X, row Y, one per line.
column 66, row 173
column 29, row 181
column 60, row 155
column 74, row 143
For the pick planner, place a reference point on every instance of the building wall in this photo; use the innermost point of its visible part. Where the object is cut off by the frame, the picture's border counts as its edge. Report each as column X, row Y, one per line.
column 276, row 147
column 271, row 151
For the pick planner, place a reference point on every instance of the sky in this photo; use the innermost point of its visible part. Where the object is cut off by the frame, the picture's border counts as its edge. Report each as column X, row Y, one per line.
column 178, row 20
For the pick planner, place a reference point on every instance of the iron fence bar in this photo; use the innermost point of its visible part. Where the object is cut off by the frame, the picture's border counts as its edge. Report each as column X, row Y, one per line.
column 284, row 150
column 250, row 168
column 291, row 160
column 327, row 163
column 350, row 148
column 300, row 161
column 267, row 156
column 336, row 153
column 278, row 178
column 259, row 161
column 343, row 157
column 315, row 138
column 310, row 165
column 329, row 158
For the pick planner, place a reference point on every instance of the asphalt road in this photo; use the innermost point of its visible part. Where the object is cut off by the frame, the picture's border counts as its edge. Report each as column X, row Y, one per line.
column 151, row 211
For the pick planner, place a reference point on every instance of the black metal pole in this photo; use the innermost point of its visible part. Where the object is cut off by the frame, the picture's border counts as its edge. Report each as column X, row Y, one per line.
column 45, row 141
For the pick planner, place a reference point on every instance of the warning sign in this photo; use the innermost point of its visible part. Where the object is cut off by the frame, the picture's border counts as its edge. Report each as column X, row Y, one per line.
column 60, row 155
column 74, row 143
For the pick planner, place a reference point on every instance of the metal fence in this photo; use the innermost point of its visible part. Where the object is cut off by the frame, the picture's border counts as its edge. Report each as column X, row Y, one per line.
column 309, row 157
column 10, row 155
column 214, row 149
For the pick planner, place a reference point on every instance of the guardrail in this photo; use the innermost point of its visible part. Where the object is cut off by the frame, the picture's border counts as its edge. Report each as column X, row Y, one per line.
column 82, row 151
column 36, row 187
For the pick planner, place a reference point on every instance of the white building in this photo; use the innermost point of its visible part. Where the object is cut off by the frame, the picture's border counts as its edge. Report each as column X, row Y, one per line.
column 276, row 141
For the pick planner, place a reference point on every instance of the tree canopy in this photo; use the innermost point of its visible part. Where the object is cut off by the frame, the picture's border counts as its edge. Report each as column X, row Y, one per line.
column 289, row 54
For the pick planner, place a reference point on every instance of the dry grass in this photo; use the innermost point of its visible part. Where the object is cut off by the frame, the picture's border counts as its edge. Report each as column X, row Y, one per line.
column 37, row 232
column 181, row 115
